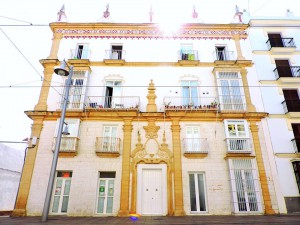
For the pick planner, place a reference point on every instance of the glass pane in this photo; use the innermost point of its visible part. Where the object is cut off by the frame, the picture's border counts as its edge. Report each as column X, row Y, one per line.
column 251, row 191
column 201, row 192
column 64, row 206
column 109, row 205
column 240, row 191
column 58, row 186
column 100, row 205
column 67, row 187
column 241, row 130
column 232, row 130
column 109, row 83
column 102, row 188
column 55, row 204
column 192, row 193
column 110, row 188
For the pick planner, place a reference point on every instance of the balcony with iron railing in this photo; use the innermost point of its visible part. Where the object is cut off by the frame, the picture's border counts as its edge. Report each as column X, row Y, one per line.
column 195, row 147
column 296, row 144
column 224, row 55
column 80, row 54
column 103, row 103
column 73, row 104
column 115, row 54
column 286, row 71
column 188, row 57
column 291, row 105
column 108, row 146
column 238, row 145
column 281, row 44
column 173, row 103
column 68, row 146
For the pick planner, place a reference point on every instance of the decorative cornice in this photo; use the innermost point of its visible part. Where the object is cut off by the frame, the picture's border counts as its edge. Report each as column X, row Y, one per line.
column 151, row 31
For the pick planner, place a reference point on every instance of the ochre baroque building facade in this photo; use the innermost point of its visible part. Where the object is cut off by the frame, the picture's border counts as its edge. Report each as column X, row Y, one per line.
column 160, row 124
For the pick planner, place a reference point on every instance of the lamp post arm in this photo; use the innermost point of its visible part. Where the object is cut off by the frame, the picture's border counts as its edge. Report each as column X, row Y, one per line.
column 56, row 150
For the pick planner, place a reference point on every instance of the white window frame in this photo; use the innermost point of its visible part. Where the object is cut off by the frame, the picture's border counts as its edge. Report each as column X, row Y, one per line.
column 195, row 173
column 192, row 100
column 226, row 56
column 236, row 123
column 238, row 143
column 230, row 102
column 192, row 145
column 64, row 179
column 246, row 190
column 85, row 51
column 76, row 91
column 114, row 100
column 110, row 136
column 106, row 194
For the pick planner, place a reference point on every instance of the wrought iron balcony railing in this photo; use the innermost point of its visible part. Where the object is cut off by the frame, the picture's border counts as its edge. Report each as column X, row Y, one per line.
column 188, row 55
column 291, row 105
column 296, row 144
column 112, row 102
column 280, row 42
column 67, row 144
column 286, row 71
column 108, row 145
column 195, row 145
column 238, row 145
column 232, row 103
column 190, row 103
column 115, row 54
column 80, row 54
column 224, row 55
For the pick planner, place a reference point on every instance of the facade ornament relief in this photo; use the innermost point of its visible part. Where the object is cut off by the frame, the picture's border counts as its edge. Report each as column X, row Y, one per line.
column 151, row 151
column 151, row 106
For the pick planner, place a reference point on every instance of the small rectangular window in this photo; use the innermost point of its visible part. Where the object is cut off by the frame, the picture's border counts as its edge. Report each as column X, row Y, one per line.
column 107, row 175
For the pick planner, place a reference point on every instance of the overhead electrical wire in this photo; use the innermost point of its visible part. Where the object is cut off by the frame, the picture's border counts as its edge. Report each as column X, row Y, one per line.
column 27, row 60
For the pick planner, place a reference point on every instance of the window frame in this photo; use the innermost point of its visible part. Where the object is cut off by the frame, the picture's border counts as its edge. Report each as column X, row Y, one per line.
column 197, row 191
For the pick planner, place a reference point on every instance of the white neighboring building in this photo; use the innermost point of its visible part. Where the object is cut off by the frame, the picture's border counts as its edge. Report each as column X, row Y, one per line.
column 276, row 51
column 11, row 163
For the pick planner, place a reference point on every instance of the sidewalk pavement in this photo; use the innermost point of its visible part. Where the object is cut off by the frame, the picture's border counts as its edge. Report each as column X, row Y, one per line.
column 292, row 219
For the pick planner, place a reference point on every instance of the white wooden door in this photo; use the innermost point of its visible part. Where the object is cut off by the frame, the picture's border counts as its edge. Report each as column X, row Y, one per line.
column 152, row 202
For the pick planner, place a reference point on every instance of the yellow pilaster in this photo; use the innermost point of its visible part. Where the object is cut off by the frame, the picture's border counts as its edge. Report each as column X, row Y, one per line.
column 250, row 106
column 22, row 197
column 236, row 39
column 261, row 169
column 124, row 201
column 55, row 45
column 48, row 72
column 178, row 193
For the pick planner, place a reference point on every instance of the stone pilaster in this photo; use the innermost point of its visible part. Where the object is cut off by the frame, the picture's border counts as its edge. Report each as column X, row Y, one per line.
column 55, row 45
column 261, row 169
column 22, row 197
column 48, row 72
column 250, row 106
column 236, row 39
column 178, row 192
column 125, row 182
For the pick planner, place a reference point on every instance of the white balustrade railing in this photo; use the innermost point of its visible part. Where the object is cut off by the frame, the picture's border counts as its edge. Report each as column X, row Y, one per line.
column 107, row 145
column 67, row 144
column 195, row 145
column 238, row 145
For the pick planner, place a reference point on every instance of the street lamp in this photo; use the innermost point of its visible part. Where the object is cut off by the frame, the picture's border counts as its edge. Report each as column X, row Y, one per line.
column 62, row 72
